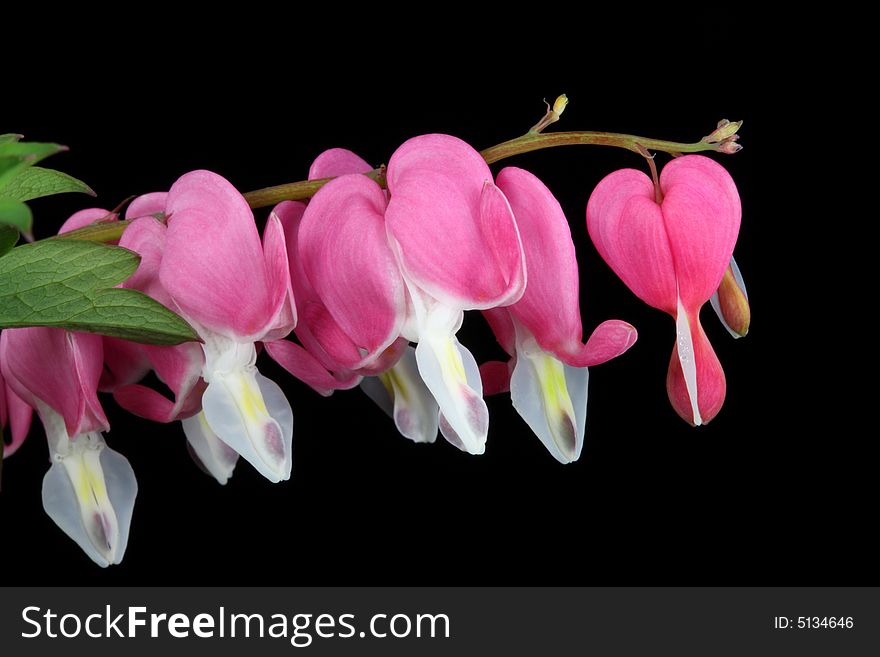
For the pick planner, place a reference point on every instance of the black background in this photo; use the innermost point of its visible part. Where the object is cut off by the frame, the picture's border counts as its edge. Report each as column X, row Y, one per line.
column 774, row 490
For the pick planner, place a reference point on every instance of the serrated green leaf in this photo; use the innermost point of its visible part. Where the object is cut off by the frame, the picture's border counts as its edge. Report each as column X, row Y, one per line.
column 8, row 238
column 15, row 213
column 64, row 284
column 16, row 156
column 37, row 182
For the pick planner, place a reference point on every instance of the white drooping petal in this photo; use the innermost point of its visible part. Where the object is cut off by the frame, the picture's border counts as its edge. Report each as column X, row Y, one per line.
column 246, row 410
column 251, row 415
column 89, row 492
column 402, row 394
column 551, row 397
column 685, row 347
column 209, row 452
column 452, row 375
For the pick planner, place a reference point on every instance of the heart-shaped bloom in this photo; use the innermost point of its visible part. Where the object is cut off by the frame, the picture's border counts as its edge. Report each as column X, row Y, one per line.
column 235, row 292
column 542, row 332
column 90, row 489
column 673, row 254
column 332, row 357
column 458, row 248
column 406, row 265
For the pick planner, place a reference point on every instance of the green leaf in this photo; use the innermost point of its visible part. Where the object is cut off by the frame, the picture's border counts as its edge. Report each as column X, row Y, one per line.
column 10, row 136
column 15, row 213
column 37, row 182
column 16, row 156
column 64, row 284
column 8, row 238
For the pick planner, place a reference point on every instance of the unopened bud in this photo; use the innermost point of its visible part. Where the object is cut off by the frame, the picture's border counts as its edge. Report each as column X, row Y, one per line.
column 724, row 130
column 560, row 104
column 729, row 147
column 731, row 302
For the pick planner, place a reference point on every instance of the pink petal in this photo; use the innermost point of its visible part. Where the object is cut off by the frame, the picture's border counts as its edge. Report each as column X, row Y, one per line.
column 549, row 308
column 387, row 359
column 609, row 340
column 124, row 363
column 85, row 218
column 502, row 326
column 456, row 236
column 59, row 368
column 278, row 278
column 337, row 162
column 627, row 228
column 145, row 402
column 345, row 257
column 20, row 415
column 711, row 385
column 146, row 237
column 213, row 265
column 178, row 367
column 152, row 405
column 495, row 376
column 307, row 368
column 146, row 205
column 310, row 309
column 701, row 212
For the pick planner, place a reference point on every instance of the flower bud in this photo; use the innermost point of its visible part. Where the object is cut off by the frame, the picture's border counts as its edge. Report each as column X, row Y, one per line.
column 724, row 130
column 560, row 104
column 731, row 302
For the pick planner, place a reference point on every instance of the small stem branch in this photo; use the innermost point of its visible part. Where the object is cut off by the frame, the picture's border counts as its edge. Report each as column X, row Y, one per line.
column 527, row 143
column 534, row 142
column 298, row 191
column 644, row 152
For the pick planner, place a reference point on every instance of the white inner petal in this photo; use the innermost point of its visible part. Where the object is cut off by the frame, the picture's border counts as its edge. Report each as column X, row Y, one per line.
column 551, row 397
column 238, row 413
column 685, row 345
column 215, row 456
column 453, row 377
column 89, row 492
column 415, row 409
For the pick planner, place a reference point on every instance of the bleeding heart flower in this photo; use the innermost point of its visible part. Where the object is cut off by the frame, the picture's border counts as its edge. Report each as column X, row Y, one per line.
column 235, row 292
column 338, row 355
column 542, row 332
column 671, row 247
column 90, row 489
column 458, row 248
